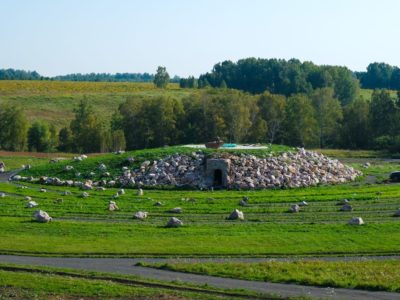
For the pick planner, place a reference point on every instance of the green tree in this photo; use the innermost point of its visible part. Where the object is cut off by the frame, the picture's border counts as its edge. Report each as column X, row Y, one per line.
column 65, row 142
column 13, row 128
column 161, row 78
column 88, row 134
column 39, row 137
column 118, row 141
column 355, row 130
column 272, row 110
column 301, row 127
column 328, row 114
column 384, row 115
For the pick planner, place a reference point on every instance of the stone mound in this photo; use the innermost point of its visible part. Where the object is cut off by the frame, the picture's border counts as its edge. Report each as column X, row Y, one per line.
column 292, row 169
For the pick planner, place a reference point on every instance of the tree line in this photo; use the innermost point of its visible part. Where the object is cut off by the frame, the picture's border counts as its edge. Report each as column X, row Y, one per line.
column 380, row 76
column 315, row 119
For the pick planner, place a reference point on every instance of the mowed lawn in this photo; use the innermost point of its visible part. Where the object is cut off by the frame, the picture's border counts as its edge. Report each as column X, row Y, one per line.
column 84, row 226
column 370, row 275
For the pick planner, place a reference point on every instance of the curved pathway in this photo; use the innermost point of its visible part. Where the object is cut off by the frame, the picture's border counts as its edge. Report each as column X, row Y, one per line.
column 128, row 267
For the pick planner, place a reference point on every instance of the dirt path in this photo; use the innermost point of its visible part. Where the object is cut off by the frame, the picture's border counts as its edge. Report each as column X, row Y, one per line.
column 128, row 267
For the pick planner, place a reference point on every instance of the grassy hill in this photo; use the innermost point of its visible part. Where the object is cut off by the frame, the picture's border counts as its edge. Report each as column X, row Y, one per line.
column 54, row 101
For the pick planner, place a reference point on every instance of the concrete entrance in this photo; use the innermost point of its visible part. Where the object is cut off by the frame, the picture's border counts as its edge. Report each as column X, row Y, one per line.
column 217, row 171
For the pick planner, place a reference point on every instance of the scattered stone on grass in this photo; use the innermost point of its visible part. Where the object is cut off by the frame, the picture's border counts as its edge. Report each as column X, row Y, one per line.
column 174, row 222
column 101, row 188
column 2, row 167
column 236, row 215
column 102, row 167
column 294, row 208
column 84, row 195
column 397, row 213
column 31, row 204
column 112, row 206
column 2, row 195
column 28, row 198
column 68, row 168
column 66, row 193
column 121, row 192
column 158, row 203
column 43, row 190
column 356, row 221
column 139, row 192
column 303, row 203
column 140, row 215
column 88, row 185
column 176, row 210
column 41, row 216
column 346, row 207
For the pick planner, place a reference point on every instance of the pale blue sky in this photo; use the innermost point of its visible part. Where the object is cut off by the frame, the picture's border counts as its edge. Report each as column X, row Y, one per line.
column 188, row 37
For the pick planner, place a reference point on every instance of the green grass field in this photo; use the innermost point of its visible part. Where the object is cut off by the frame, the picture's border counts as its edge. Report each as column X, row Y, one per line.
column 26, row 282
column 83, row 226
column 54, row 101
column 369, row 275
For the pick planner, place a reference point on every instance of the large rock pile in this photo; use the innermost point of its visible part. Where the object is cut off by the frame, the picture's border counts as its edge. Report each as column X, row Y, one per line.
column 178, row 170
column 292, row 169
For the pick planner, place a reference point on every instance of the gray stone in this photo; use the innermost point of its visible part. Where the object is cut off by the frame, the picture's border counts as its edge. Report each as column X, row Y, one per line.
column 112, row 206
column 140, row 215
column 176, row 210
column 346, row 207
column 41, row 216
column 356, row 221
column 31, row 204
column 294, row 208
column 236, row 215
column 174, row 222
column 139, row 192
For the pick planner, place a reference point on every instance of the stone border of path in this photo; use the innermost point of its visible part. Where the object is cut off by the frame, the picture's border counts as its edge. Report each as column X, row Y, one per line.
column 128, row 267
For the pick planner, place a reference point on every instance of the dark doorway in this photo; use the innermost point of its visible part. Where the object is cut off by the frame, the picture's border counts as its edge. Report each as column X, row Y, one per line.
column 217, row 178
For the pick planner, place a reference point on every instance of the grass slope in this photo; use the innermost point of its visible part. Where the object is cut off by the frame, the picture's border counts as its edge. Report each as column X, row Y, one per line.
column 54, row 101
column 84, row 226
column 370, row 275
column 25, row 282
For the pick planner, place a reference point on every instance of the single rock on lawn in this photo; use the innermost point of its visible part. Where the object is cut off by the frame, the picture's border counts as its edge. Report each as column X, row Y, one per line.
column 236, row 215
column 176, row 210
column 100, row 188
column 140, row 215
column 102, row 167
column 303, row 203
column 294, row 208
column 84, row 195
column 67, row 193
column 31, row 204
column 356, row 221
column 174, row 222
column 112, row 206
column 139, row 192
column 41, row 216
column 397, row 213
column 158, row 203
column 68, row 168
column 28, row 198
column 121, row 192
column 346, row 207
column 43, row 190
column 2, row 195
